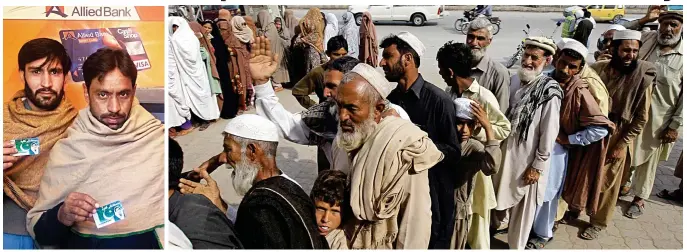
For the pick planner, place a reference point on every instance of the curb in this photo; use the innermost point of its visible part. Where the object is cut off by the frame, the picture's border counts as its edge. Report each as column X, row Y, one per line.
column 514, row 8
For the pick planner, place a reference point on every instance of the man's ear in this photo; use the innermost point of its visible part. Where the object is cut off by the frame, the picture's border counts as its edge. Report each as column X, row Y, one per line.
column 21, row 76
column 85, row 93
column 451, row 72
column 253, row 152
column 549, row 59
column 379, row 108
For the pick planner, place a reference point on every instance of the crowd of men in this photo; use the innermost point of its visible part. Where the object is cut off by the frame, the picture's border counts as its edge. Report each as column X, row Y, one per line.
column 410, row 166
column 111, row 151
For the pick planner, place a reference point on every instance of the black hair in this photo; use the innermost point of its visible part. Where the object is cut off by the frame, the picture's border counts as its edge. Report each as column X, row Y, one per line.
column 402, row 47
column 457, row 57
column 574, row 54
column 335, row 43
column 47, row 48
column 176, row 163
column 330, row 187
column 587, row 14
column 344, row 64
column 207, row 22
column 105, row 60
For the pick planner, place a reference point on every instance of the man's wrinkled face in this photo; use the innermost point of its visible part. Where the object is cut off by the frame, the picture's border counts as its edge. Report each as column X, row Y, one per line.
column 110, row 98
column 566, row 68
column 533, row 62
column 328, row 217
column 44, row 83
column 670, row 32
column 392, row 64
column 356, row 115
column 332, row 79
column 245, row 172
column 337, row 54
column 478, row 41
column 627, row 52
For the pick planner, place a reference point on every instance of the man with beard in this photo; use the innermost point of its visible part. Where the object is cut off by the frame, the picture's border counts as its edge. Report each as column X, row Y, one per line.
column 534, row 115
column 579, row 147
column 275, row 212
column 318, row 124
column 389, row 157
column 114, row 152
column 337, row 47
column 487, row 72
column 39, row 110
column 630, row 82
column 654, row 143
column 604, row 43
column 431, row 109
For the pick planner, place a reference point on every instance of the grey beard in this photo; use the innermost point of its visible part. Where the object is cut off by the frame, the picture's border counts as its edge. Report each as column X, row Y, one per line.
column 350, row 141
column 527, row 75
column 671, row 41
column 243, row 176
column 478, row 54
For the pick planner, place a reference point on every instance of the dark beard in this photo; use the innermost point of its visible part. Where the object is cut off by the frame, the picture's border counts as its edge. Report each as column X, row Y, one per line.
column 44, row 105
column 395, row 73
column 618, row 65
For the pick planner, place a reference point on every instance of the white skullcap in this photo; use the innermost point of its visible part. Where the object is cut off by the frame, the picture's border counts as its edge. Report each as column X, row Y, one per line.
column 375, row 78
column 627, row 34
column 576, row 46
column 463, row 109
column 544, row 43
column 562, row 42
column 253, row 127
column 413, row 41
column 579, row 13
column 616, row 27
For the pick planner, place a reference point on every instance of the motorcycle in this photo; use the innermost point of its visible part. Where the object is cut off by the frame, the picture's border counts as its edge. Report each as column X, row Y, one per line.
column 521, row 47
column 462, row 24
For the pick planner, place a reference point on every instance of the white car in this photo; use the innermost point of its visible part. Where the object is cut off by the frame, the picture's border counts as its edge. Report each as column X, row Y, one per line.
column 417, row 14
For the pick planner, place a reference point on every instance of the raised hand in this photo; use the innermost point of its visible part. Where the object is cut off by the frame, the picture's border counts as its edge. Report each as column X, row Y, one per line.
column 263, row 63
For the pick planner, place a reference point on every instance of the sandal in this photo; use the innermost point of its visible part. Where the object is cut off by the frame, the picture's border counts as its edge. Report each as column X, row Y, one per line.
column 536, row 243
column 555, row 225
column 634, row 211
column 591, row 233
column 674, row 195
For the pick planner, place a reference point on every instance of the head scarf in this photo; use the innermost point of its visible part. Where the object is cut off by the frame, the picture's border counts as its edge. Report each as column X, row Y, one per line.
column 368, row 41
column 331, row 30
column 224, row 14
column 251, row 24
column 312, row 28
column 290, row 21
column 281, row 29
column 205, row 43
column 241, row 30
column 351, row 33
column 265, row 21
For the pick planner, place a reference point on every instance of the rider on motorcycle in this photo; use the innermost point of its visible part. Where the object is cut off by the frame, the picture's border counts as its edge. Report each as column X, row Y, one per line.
column 483, row 10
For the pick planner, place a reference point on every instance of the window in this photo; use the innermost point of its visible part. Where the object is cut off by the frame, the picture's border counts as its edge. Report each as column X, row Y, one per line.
column 609, row 7
column 594, row 7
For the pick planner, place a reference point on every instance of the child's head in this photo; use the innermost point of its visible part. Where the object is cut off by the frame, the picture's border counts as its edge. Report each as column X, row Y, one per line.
column 329, row 195
column 465, row 120
column 465, row 128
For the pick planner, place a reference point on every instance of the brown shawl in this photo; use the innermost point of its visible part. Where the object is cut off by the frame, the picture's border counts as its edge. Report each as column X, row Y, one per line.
column 251, row 24
column 312, row 29
column 579, row 110
column 126, row 164
column 22, row 180
column 205, row 43
column 290, row 22
column 239, row 56
column 368, row 41
column 626, row 91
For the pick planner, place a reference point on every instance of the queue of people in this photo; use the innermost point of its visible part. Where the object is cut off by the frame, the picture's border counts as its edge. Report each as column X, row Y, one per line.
column 410, row 166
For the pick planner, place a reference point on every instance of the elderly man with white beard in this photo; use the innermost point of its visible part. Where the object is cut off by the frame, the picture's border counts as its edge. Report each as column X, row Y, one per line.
column 534, row 115
column 275, row 212
column 487, row 72
column 655, row 142
column 389, row 158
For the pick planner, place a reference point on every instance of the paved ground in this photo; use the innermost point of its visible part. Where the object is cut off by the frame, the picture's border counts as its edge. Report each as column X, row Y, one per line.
column 659, row 228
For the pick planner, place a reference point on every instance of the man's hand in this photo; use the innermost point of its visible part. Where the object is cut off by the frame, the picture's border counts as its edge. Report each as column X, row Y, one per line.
column 531, row 176
column 262, row 63
column 614, row 155
column 390, row 112
column 215, row 161
column 209, row 190
column 669, row 135
column 653, row 12
column 8, row 160
column 77, row 207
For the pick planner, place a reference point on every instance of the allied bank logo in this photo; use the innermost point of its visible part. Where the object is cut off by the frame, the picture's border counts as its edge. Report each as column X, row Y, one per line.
column 68, row 35
column 57, row 10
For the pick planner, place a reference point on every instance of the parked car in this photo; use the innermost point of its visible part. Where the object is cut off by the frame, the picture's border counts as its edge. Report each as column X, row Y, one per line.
column 612, row 13
column 416, row 14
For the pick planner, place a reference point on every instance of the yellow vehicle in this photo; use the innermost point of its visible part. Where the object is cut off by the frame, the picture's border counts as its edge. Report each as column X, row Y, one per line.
column 612, row 13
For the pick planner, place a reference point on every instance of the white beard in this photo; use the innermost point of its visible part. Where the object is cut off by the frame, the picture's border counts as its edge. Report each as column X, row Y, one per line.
column 527, row 76
column 243, row 176
column 671, row 41
column 350, row 141
column 478, row 54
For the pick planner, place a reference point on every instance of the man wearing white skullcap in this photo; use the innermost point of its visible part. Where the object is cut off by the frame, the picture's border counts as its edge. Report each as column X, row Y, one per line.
column 654, row 144
column 432, row 109
column 604, row 42
column 476, row 158
column 631, row 81
column 275, row 212
column 534, row 115
column 389, row 158
column 578, row 148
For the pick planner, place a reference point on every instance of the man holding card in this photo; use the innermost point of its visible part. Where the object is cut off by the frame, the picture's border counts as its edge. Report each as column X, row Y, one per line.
column 37, row 116
column 103, row 186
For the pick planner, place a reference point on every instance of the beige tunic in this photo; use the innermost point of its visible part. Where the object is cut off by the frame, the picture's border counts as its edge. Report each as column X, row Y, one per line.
column 499, row 123
column 597, row 88
column 494, row 77
column 337, row 239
